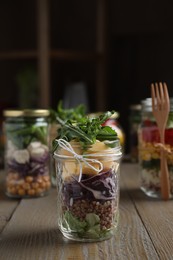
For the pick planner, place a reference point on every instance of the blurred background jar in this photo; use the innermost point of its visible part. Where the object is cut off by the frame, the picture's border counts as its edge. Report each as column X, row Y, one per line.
column 134, row 122
column 149, row 150
column 26, row 153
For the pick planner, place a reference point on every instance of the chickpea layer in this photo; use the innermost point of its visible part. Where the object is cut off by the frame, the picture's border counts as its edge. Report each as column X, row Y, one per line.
column 28, row 186
column 149, row 151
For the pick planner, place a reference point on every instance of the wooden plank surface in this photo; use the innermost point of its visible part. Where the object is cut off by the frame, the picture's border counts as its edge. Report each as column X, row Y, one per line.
column 7, row 206
column 156, row 214
column 134, row 239
column 32, row 233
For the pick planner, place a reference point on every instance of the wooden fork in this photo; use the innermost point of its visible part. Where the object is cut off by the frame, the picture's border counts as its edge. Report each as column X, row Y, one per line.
column 161, row 107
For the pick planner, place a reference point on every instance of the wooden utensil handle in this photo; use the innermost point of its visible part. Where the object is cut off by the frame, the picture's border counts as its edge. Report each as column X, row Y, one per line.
column 164, row 176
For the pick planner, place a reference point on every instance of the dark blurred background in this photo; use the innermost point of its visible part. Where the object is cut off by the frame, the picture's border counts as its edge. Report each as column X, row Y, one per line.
column 112, row 49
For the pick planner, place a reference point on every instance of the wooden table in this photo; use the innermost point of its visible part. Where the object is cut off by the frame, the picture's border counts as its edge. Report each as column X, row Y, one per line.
column 28, row 228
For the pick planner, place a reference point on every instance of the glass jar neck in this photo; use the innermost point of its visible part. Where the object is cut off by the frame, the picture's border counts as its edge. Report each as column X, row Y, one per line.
column 147, row 105
column 74, row 149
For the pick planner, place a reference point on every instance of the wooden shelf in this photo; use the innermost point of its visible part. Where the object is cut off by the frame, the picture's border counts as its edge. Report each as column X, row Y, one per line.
column 18, row 55
column 66, row 55
column 43, row 54
column 75, row 55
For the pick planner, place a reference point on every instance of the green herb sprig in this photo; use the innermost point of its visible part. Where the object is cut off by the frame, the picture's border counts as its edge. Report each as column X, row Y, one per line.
column 73, row 114
column 86, row 130
column 21, row 137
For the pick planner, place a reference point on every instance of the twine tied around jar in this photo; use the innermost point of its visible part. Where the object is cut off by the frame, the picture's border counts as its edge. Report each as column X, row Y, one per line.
column 80, row 158
column 163, row 147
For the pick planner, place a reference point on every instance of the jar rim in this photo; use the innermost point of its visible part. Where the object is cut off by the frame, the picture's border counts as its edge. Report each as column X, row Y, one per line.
column 147, row 104
column 26, row 113
column 111, row 151
column 115, row 115
column 136, row 107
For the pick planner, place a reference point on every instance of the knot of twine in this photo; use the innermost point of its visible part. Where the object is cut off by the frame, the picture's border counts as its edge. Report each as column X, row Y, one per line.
column 163, row 147
column 80, row 158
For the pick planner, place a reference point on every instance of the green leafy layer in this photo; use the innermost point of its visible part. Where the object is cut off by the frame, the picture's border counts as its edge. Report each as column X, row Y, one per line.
column 86, row 130
column 170, row 120
column 21, row 137
column 153, row 164
column 88, row 228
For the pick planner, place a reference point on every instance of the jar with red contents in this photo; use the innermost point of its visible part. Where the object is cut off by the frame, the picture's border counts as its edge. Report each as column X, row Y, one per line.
column 149, row 150
column 114, row 124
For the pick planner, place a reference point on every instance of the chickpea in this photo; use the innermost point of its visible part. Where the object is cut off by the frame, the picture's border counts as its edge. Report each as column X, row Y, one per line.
column 46, row 178
column 48, row 184
column 43, row 185
column 21, row 192
column 12, row 190
column 146, row 157
column 39, row 180
column 38, row 191
column 34, row 185
column 20, row 182
column 31, row 192
column 26, row 186
column 155, row 155
column 29, row 179
column 18, row 187
column 11, row 184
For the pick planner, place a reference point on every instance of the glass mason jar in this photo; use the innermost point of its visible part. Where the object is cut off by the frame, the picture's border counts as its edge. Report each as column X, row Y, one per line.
column 26, row 153
column 88, row 190
column 150, row 148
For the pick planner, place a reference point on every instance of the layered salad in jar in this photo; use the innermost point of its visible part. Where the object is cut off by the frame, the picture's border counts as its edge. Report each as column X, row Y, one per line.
column 149, row 155
column 27, row 159
column 87, row 157
column 74, row 114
